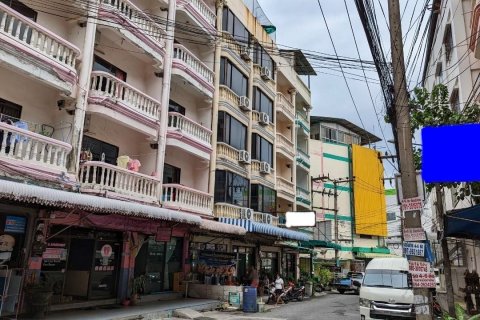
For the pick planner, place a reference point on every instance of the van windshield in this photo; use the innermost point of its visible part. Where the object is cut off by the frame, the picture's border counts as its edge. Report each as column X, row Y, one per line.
column 396, row 279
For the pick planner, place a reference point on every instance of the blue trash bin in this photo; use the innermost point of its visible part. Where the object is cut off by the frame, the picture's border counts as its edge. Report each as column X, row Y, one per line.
column 250, row 299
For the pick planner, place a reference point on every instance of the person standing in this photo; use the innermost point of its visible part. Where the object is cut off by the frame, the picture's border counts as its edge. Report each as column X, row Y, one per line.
column 279, row 286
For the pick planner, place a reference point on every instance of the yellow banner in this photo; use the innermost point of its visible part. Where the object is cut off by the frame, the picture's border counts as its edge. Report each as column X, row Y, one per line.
column 369, row 193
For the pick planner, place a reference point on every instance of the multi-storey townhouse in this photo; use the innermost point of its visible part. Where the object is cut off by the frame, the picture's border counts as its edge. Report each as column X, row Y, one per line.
column 339, row 150
column 452, row 59
column 127, row 130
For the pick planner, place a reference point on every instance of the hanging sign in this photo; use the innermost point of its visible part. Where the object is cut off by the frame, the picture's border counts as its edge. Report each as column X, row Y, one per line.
column 414, row 249
column 412, row 204
column 15, row 224
column 422, row 275
column 163, row 234
column 413, row 234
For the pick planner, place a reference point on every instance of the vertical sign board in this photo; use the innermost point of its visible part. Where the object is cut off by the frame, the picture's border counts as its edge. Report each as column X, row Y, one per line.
column 412, row 204
column 414, row 249
column 414, row 234
column 422, row 274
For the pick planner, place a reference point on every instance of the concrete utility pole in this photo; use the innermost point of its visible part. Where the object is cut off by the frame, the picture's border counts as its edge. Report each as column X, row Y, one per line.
column 447, row 267
column 404, row 133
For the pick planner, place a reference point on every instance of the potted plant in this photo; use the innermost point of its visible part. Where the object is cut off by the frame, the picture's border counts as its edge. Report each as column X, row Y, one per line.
column 38, row 296
column 138, row 287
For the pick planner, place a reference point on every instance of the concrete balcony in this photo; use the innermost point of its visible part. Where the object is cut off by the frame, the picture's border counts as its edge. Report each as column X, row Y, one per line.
column 301, row 122
column 198, row 13
column 23, row 152
column 135, row 26
column 303, row 197
column 285, row 189
column 266, row 129
column 228, row 158
column 178, row 197
column 285, row 146
column 189, row 135
column 303, row 160
column 230, row 101
column 114, row 182
column 188, row 67
column 29, row 48
column 257, row 176
column 285, row 107
column 266, row 84
column 123, row 103
column 262, row 218
column 226, row 210
column 233, row 51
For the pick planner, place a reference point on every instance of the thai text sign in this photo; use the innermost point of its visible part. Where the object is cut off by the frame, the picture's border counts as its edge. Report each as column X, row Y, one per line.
column 413, row 234
column 414, row 249
column 422, row 275
column 412, row 204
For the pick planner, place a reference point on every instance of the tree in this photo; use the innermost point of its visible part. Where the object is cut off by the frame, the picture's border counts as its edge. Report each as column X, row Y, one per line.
column 433, row 109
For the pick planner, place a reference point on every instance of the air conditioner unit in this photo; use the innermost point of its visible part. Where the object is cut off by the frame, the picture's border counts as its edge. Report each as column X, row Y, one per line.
column 264, row 118
column 246, row 213
column 244, row 156
column 267, row 218
column 265, row 73
column 245, row 53
column 265, row 167
column 244, row 103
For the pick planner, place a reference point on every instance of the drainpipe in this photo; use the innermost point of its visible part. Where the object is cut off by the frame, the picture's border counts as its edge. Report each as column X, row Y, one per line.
column 216, row 84
column 82, row 88
column 167, row 75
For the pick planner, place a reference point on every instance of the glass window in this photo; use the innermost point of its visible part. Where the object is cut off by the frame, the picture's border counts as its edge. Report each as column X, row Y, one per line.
column 175, row 107
column 269, row 264
column 21, row 8
column 9, row 109
column 100, row 64
column 386, row 279
column 263, row 199
column 391, row 216
column 262, row 58
column 235, row 27
column 233, row 78
column 262, row 150
column 171, row 174
column 262, row 103
column 231, row 131
column 231, row 188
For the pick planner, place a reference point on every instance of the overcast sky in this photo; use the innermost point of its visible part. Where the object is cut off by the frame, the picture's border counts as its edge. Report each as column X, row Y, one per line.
column 300, row 24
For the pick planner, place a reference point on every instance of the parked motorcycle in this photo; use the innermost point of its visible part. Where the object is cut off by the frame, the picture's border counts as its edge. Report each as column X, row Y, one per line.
column 281, row 297
column 295, row 293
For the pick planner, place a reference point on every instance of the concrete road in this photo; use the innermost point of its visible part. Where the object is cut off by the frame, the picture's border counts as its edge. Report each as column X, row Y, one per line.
column 331, row 306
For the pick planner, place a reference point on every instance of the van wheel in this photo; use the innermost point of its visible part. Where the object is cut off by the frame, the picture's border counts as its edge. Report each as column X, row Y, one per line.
column 341, row 291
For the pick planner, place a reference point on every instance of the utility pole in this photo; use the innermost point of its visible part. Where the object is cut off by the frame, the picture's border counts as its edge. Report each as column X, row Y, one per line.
column 447, row 267
column 335, row 213
column 404, row 134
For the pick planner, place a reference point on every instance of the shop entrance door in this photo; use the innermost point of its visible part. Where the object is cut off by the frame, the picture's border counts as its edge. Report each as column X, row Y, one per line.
column 79, row 266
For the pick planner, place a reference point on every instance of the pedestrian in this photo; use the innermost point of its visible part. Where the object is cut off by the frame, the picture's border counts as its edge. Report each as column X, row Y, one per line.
column 279, row 286
column 253, row 277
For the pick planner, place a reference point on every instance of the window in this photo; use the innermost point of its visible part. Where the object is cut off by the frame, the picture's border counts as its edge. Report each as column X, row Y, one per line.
column 262, row 58
column 231, row 77
column 21, row 8
column 231, row 131
column 454, row 101
column 269, row 264
column 391, row 216
column 448, row 42
column 323, row 231
column 365, row 236
column 235, row 27
column 329, row 134
column 264, row 199
column 262, row 103
column 100, row 64
column 262, row 150
column 231, row 188
column 175, row 107
column 171, row 174
column 101, row 151
column 386, row 279
column 9, row 109
column 439, row 73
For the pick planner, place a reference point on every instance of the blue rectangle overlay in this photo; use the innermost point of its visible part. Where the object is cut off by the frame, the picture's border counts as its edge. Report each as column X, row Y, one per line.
column 15, row 224
column 451, row 153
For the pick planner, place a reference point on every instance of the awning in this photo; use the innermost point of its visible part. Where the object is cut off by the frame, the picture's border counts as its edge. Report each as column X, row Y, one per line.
column 371, row 255
column 71, row 200
column 257, row 227
column 463, row 223
column 321, row 243
column 222, row 227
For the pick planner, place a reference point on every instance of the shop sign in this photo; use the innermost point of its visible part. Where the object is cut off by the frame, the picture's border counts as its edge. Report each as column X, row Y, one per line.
column 163, row 234
column 414, row 249
column 413, row 234
column 412, row 204
column 234, row 298
column 15, row 224
column 54, row 257
column 422, row 275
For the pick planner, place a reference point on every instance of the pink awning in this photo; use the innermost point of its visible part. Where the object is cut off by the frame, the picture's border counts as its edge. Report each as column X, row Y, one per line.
column 222, row 227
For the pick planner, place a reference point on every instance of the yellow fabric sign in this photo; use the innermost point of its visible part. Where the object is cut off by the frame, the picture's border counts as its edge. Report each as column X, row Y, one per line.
column 369, row 192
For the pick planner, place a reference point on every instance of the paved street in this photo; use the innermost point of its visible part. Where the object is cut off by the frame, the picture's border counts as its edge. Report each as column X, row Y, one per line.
column 331, row 306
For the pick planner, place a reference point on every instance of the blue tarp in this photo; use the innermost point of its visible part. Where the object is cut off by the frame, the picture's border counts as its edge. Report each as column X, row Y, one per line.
column 257, row 227
column 463, row 223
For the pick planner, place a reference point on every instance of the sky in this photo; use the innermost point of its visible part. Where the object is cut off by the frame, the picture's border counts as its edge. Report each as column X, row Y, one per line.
column 300, row 24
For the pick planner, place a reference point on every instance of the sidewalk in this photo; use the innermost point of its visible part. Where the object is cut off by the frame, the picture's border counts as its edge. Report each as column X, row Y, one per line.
column 154, row 310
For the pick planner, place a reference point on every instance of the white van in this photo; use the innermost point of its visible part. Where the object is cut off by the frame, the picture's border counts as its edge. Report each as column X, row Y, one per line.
column 385, row 291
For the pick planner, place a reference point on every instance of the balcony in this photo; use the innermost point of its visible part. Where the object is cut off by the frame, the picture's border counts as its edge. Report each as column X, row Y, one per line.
column 188, row 67
column 285, row 146
column 229, row 101
column 114, row 182
column 199, row 13
column 29, row 48
column 226, row 210
column 266, row 129
column 23, row 152
column 285, row 189
column 228, row 157
column 136, row 26
column 303, row 197
column 285, row 107
column 232, row 50
column 123, row 103
column 267, row 85
column 257, row 176
column 189, row 135
column 303, row 159
column 301, row 122
column 261, row 218
column 178, row 197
